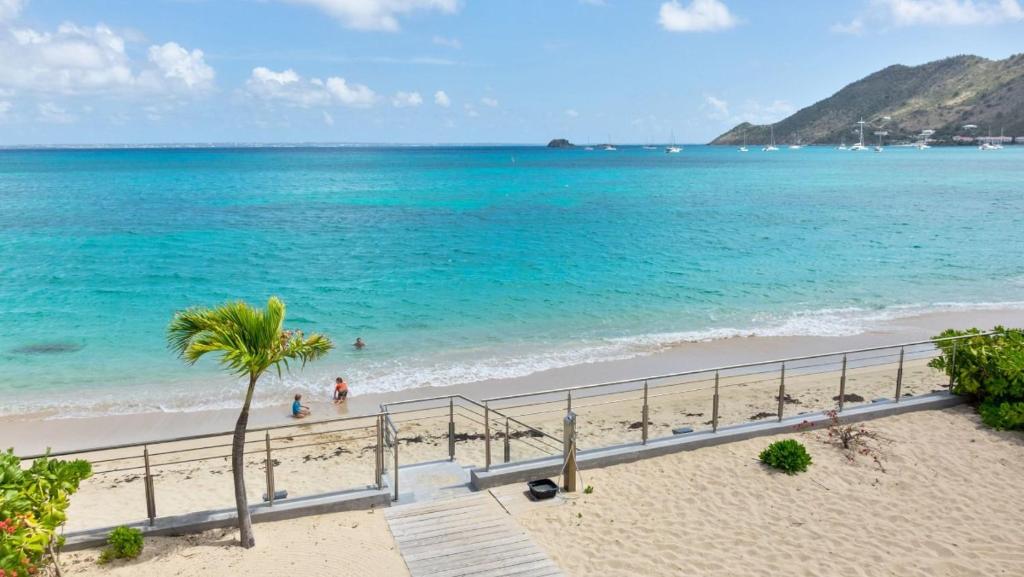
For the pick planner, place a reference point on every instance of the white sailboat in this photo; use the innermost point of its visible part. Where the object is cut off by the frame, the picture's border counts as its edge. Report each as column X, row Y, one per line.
column 744, row 147
column 880, row 134
column 987, row 144
column 798, row 145
column 860, row 145
column 842, row 144
column 922, row 143
column 672, row 148
column 771, row 146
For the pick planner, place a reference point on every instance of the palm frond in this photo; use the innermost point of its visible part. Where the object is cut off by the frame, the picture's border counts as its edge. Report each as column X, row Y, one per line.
column 248, row 340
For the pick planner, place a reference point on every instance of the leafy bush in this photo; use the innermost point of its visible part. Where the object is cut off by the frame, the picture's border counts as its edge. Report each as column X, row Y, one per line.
column 789, row 456
column 33, row 502
column 1003, row 415
column 124, row 543
column 989, row 370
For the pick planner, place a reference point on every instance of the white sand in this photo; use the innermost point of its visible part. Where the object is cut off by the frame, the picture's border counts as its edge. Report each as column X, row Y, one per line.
column 345, row 460
column 351, row 544
column 950, row 503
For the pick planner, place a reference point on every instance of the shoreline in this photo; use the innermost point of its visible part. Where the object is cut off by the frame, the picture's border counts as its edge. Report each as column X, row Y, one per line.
column 30, row 434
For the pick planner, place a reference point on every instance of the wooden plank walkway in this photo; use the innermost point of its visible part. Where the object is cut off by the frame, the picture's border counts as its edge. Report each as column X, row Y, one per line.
column 469, row 536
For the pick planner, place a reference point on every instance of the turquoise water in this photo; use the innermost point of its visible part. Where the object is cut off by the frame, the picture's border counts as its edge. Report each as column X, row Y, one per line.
column 457, row 264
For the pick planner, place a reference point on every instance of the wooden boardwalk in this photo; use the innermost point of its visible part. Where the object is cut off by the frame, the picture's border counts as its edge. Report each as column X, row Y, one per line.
column 469, row 536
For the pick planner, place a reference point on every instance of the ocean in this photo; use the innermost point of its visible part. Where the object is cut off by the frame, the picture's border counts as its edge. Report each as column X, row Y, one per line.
column 457, row 264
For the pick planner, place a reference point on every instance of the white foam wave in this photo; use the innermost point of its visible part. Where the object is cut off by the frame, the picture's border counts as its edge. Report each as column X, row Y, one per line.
column 461, row 367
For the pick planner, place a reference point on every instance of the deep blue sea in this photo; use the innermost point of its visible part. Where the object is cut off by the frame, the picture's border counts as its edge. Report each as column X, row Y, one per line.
column 458, row 264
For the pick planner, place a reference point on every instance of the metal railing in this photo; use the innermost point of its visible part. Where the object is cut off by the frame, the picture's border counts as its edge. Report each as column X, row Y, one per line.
column 505, row 418
column 645, row 390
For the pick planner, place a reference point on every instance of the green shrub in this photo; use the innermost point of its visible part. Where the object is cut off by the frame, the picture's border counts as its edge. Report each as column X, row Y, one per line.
column 789, row 456
column 1003, row 415
column 989, row 370
column 124, row 543
column 33, row 503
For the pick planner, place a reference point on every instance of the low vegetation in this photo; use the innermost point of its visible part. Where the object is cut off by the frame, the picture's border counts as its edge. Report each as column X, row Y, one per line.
column 989, row 370
column 122, row 543
column 33, row 508
column 854, row 439
column 789, row 456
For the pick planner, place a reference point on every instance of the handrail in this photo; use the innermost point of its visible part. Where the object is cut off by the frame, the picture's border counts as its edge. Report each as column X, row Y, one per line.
column 195, row 437
column 484, row 404
column 727, row 368
column 385, row 408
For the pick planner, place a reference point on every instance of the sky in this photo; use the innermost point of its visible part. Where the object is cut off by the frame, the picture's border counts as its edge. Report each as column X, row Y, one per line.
column 454, row 71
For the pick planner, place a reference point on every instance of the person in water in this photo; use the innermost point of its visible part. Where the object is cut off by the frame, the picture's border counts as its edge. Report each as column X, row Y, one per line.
column 359, row 344
column 298, row 409
column 340, row 390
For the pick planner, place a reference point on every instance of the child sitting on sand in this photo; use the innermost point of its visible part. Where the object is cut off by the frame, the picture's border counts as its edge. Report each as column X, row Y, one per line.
column 298, row 409
column 340, row 390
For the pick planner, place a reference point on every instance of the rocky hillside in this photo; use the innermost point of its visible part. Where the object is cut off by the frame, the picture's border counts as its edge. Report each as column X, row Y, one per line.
column 942, row 96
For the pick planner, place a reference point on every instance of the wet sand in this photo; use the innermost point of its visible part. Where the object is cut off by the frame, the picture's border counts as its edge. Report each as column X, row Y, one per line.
column 30, row 433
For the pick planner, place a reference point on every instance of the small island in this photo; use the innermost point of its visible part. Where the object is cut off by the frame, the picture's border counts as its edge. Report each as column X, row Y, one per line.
column 561, row 143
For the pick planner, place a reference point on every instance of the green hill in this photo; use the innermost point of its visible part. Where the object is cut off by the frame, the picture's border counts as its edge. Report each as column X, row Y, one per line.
column 942, row 96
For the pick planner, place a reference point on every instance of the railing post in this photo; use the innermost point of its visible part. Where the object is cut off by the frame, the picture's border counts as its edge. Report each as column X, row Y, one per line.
column 568, row 401
column 148, row 481
column 569, row 452
column 714, row 407
column 487, row 436
column 451, row 429
column 270, row 473
column 644, row 414
column 379, row 454
column 508, row 447
column 952, row 367
column 394, row 474
column 782, row 390
column 842, row 385
column 899, row 377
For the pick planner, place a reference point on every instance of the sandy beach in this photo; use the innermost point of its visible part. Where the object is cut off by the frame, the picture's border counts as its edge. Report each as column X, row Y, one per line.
column 33, row 433
column 316, row 457
column 943, row 500
column 948, row 503
column 352, row 544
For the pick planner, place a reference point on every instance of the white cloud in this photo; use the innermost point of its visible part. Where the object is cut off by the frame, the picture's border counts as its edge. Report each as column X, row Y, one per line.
column 5, row 108
column 406, row 99
column 594, row 2
column 354, row 95
column 470, row 110
column 377, row 14
column 77, row 59
column 949, row 12
column 719, row 109
column 328, row 119
column 904, row 13
column 50, row 112
column 751, row 111
column 697, row 16
column 571, row 113
column 288, row 87
column 448, row 42
column 489, row 102
column 72, row 59
column 178, row 64
column 9, row 9
column 854, row 27
column 441, row 99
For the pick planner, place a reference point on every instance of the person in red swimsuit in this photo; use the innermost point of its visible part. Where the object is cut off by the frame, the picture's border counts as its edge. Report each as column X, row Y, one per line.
column 340, row 390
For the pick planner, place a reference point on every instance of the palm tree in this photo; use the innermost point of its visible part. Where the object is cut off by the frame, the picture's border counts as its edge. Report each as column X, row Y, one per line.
column 249, row 342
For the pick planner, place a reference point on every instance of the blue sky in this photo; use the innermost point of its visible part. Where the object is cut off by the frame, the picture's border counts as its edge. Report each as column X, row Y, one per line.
column 453, row 71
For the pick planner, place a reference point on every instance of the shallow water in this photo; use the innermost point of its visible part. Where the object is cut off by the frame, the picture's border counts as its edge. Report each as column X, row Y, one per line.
column 457, row 264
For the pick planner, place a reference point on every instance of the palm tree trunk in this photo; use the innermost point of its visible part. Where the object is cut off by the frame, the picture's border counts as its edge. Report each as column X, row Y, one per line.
column 245, row 536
